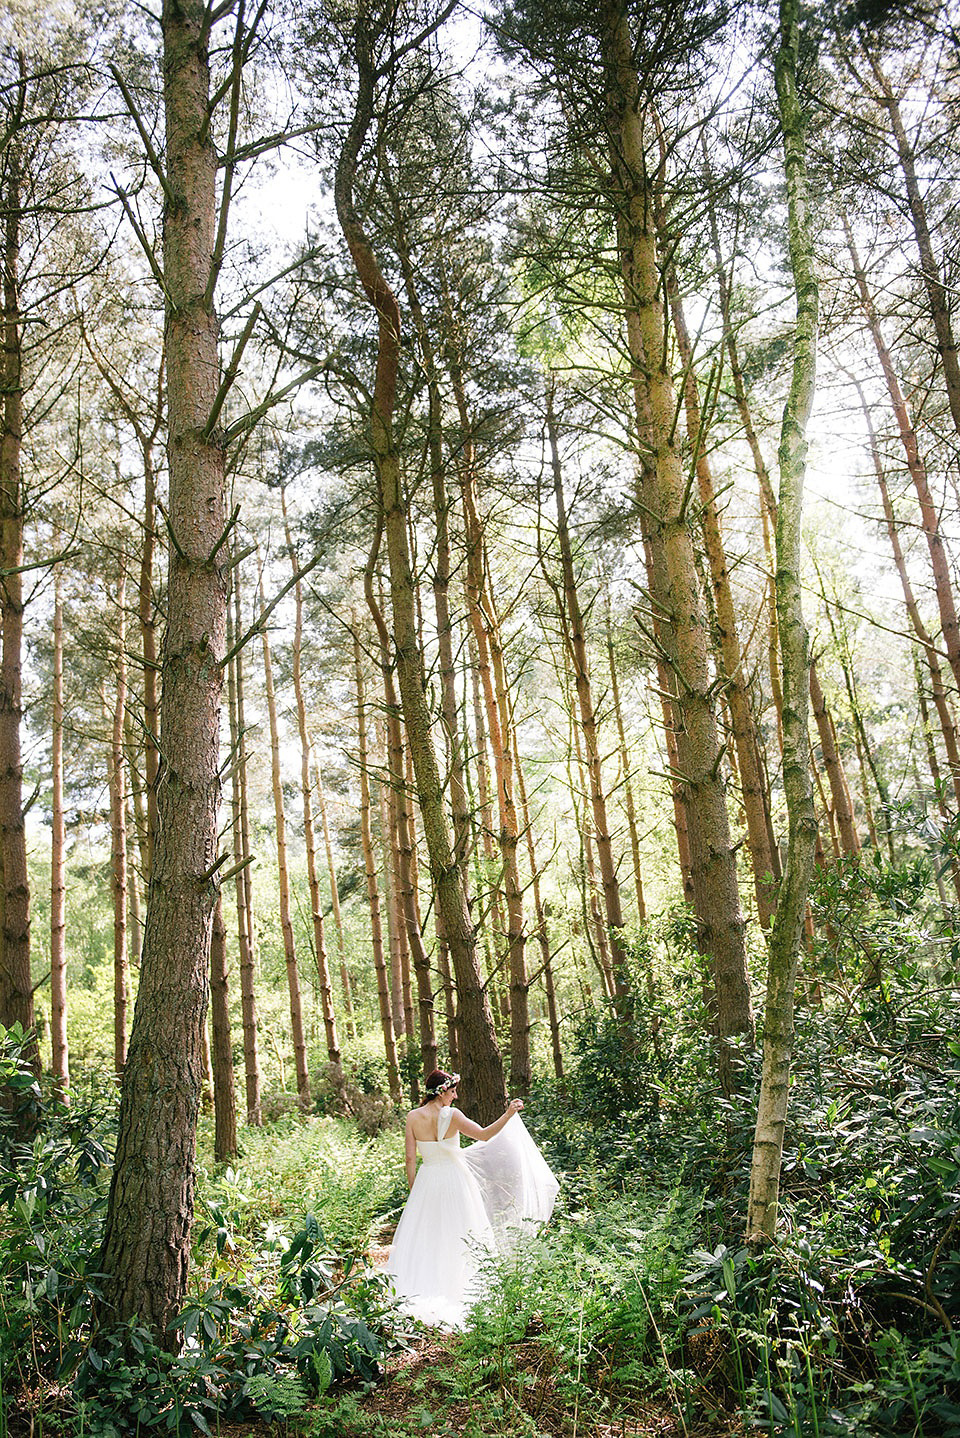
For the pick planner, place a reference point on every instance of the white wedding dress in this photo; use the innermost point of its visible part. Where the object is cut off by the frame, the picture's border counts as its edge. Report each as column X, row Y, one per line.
column 465, row 1206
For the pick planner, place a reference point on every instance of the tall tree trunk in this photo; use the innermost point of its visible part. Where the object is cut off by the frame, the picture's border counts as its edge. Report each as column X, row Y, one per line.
column 499, row 723
column 768, row 504
column 224, row 1096
column 60, row 1050
column 459, row 806
column 146, row 1245
column 833, row 764
column 675, row 583
column 316, row 912
column 543, row 936
column 148, row 639
column 593, row 917
column 929, row 269
column 948, row 726
column 118, row 838
column 483, row 1089
column 929, row 516
column 396, row 937
column 399, row 838
column 373, row 896
column 283, row 879
column 16, row 989
column 666, row 690
column 731, row 653
column 335, row 906
column 574, row 632
column 629, row 803
column 786, row 936
column 242, row 859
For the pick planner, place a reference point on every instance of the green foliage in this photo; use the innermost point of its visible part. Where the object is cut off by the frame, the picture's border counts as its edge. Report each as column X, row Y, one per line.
column 20, row 1100
column 248, row 1350
column 52, row 1198
column 324, row 1166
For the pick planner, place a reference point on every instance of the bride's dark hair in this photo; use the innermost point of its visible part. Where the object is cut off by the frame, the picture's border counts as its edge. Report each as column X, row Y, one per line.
column 439, row 1081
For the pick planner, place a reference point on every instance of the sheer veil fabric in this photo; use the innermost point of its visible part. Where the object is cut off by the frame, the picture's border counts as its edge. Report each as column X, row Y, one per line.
column 465, row 1206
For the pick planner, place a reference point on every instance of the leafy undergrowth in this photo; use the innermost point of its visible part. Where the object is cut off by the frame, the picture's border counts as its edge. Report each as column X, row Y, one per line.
column 639, row 1311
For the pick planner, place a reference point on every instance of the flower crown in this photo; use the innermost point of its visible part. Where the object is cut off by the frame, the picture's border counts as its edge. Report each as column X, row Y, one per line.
column 438, row 1089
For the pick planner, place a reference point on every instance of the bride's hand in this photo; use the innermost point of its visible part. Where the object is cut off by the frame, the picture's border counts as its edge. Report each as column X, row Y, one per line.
column 515, row 1105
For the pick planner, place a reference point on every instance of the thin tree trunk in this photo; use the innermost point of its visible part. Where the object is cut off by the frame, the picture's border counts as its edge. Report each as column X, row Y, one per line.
column 666, row 694
column 283, row 880
column 373, row 896
column 572, row 623
column 630, row 807
column 930, row 520
column 396, row 935
column 929, row 269
column 118, row 839
column 224, row 1097
column 768, row 505
column 948, row 726
column 786, row 936
column 833, row 765
column 16, row 990
column 58, row 890
column 584, row 826
column 242, row 858
column 543, row 936
column 400, row 840
column 731, row 653
column 492, row 674
column 459, row 807
column 316, row 912
column 335, row 905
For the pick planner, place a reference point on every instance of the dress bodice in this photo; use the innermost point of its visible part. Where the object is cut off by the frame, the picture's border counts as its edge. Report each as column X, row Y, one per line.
column 444, row 1146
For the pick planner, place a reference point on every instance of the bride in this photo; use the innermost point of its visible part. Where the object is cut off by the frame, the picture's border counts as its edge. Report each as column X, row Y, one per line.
column 465, row 1205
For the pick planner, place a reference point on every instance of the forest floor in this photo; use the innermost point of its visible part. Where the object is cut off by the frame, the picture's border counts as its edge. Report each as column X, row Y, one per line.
column 411, row 1399
column 408, row 1400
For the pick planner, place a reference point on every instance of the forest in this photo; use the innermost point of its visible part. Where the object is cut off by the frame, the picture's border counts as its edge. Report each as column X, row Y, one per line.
column 479, row 546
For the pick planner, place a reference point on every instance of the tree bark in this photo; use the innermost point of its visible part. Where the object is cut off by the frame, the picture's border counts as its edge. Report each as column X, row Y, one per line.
column 629, row 803
column 399, row 840
column 768, row 504
column 493, row 682
column 786, row 935
column 146, row 1245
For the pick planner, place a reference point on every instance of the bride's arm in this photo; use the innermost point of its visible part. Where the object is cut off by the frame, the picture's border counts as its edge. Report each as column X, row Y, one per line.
column 473, row 1130
column 410, row 1151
